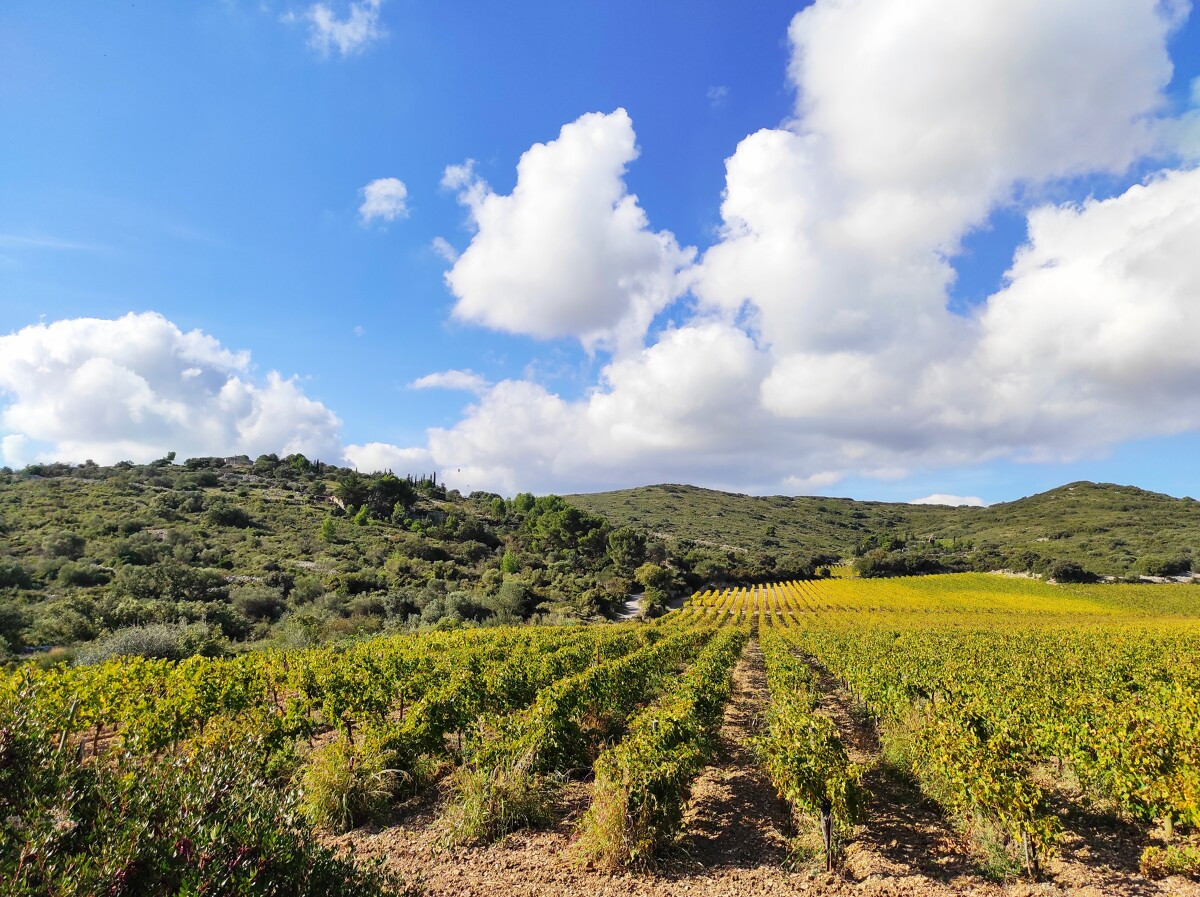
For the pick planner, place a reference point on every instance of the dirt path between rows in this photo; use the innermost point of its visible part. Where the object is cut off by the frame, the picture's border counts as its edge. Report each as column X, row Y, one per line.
column 735, row 838
column 906, row 842
column 904, row 839
column 733, row 844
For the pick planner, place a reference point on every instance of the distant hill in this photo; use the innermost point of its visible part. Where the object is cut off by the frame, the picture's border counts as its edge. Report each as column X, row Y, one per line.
column 1105, row 528
column 211, row 554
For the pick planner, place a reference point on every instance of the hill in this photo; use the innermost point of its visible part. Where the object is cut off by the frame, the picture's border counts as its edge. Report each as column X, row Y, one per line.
column 172, row 559
column 1104, row 528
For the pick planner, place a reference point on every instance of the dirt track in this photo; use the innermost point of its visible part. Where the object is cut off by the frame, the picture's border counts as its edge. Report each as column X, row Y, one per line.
column 735, row 840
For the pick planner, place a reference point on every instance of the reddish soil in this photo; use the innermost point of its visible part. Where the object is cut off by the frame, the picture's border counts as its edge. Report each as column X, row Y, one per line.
column 736, row 836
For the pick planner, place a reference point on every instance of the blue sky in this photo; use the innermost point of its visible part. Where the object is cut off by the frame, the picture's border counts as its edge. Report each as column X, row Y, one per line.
column 203, row 166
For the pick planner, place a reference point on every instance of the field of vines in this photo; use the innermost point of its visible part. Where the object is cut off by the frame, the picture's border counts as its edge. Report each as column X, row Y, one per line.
column 1002, row 697
column 1005, row 700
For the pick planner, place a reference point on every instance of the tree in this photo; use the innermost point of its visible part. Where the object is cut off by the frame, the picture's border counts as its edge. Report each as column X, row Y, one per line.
column 626, row 549
column 657, row 582
column 352, row 490
column 328, row 530
column 509, row 563
column 388, row 491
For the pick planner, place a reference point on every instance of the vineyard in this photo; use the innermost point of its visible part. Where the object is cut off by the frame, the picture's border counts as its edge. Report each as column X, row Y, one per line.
column 756, row 739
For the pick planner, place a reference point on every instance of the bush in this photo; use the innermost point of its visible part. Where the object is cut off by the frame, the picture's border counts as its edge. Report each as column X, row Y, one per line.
column 259, row 602
column 879, row 562
column 222, row 514
column 161, row 640
column 302, row 628
column 1158, row 565
column 1069, row 571
column 203, row 821
column 307, row 589
column 74, row 573
column 1159, row 862
column 64, row 545
column 13, row 575
column 496, row 800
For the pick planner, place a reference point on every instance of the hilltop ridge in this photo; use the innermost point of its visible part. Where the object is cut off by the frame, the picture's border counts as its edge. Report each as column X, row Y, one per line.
column 1107, row 528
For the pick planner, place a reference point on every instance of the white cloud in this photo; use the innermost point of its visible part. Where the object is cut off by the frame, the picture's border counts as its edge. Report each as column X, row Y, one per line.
column 137, row 387
column 347, row 35
column 384, row 199
column 1096, row 333
column 939, row 498
column 835, row 260
column 813, row 483
column 684, row 406
column 467, row 381
column 569, row 252
column 442, row 247
column 15, row 450
column 375, row 457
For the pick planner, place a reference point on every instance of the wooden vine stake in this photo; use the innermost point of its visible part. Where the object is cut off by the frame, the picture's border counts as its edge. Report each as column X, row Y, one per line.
column 827, row 831
column 1031, row 858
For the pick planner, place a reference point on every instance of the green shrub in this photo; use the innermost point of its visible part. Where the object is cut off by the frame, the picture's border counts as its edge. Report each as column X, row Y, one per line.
column 204, row 820
column 162, row 640
column 75, row 573
column 64, row 545
column 1069, row 571
column 13, row 575
column 224, row 514
column 1159, row 862
column 1159, row 565
column 259, row 602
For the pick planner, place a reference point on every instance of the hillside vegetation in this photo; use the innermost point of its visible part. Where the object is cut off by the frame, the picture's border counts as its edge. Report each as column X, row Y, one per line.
column 169, row 560
column 172, row 559
column 1099, row 528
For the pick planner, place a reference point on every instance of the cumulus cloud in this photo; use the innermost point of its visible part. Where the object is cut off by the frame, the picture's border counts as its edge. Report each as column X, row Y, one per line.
column 376, row 457
column 15, row 450
column 384, row 199
column 466, row 381
column 821, row 340
column 138, row 386
column 685, row 403
column 819, row 345
column 813, row 483
column 939, row 498
column 570, row 252
column 348, row 34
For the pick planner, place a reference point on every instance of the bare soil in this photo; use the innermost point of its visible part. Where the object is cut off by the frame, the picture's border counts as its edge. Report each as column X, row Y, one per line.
column 737, row 833
column 906, row 836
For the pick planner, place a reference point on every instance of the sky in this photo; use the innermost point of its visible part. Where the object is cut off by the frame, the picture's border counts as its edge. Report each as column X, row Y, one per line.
column 896, row 251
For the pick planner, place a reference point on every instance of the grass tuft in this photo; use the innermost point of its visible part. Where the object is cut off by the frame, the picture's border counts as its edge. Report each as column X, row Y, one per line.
column 344, row 784
column 492, row 801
